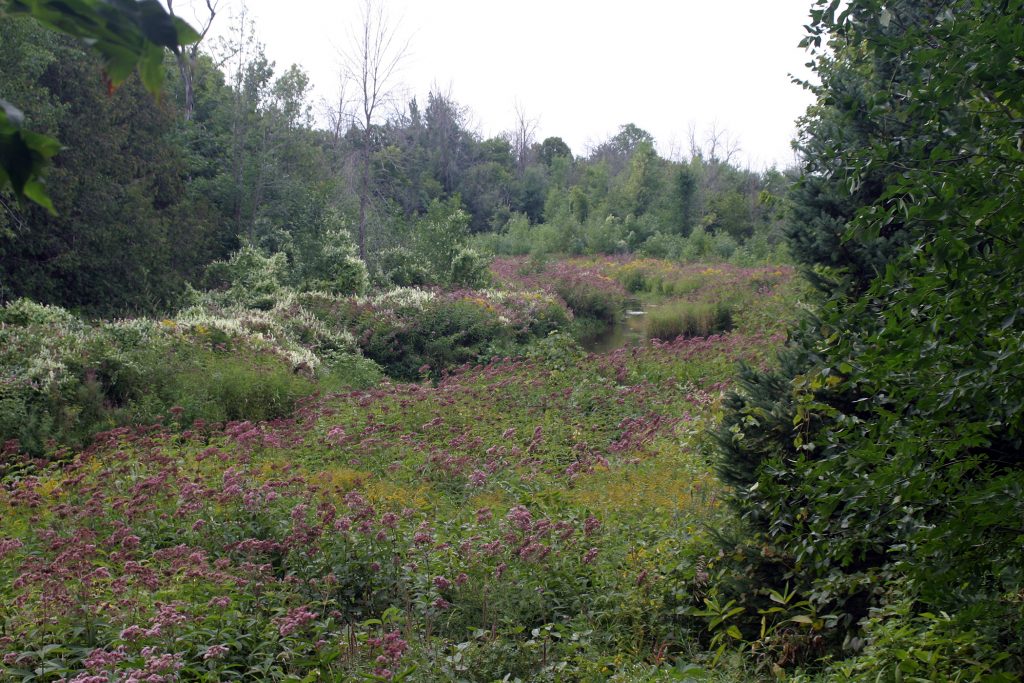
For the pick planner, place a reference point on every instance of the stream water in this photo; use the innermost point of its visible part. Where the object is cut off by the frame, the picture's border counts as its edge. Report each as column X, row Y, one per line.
column 629, row 330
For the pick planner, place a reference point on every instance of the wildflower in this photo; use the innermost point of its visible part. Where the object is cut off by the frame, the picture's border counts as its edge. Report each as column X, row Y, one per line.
column 590, row 556
column 483, row 515
column 166, row 662
column 441, row 603
column 221, row 601
column 133, row 632
column 442, row 583
column 499, row 570
column 590, row 525
column 100, row 659
column 520, row 517
column 295, row 620
column 354, row 499
column 9, row 545
column 215, row 652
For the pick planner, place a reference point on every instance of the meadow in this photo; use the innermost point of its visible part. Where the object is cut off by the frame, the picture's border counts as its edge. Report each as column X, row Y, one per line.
column 549, row 514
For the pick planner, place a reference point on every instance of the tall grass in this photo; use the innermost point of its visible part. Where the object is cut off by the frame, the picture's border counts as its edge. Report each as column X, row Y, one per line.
column 688, row 319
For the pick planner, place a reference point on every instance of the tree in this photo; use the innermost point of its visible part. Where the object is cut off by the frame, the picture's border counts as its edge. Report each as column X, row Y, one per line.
column 127, row 36
column 371, row 64
column 682, row 201
column 522, row 138
column 118, row 186
column 186, row 58
column 886, row 449
column 553, row 147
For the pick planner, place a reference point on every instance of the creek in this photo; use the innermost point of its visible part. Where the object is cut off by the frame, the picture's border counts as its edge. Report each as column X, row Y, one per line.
column 629, row 330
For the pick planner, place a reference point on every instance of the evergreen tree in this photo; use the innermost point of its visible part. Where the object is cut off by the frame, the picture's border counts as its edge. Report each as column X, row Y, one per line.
column 886, row 450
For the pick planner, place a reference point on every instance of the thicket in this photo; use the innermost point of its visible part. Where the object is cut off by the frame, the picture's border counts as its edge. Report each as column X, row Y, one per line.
column 879, row 468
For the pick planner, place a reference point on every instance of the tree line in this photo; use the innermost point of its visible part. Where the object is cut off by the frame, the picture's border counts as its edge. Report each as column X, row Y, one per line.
column 150, row 190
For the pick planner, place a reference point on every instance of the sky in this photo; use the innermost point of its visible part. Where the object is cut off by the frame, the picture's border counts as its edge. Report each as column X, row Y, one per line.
column 580, row 69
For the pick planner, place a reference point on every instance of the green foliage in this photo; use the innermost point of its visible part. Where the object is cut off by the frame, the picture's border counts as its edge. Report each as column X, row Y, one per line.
column 900, row 643
column 469, row 269
column 687, row 319
column 436, row 253
column 66, row 380
column 410, row 332
column 252, row 279
column 886, row 449
column 116, row 243
column 335, row 268
column 24, row 156
column 402, row 267
column 127, row 35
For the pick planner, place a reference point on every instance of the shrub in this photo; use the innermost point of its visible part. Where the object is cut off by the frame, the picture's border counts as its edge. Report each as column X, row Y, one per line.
column 407, row 328
column 64, row 379
column 469, row 269
column 400, row 267
column 250, row 277
column 586, row 290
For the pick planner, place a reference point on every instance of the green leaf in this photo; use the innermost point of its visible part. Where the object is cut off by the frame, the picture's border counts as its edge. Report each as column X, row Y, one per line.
column 186, row 34
column 151, row 68
column 34, row 190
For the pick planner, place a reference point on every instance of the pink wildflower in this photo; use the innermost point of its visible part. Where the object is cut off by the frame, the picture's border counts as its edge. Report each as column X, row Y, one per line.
column 295, row 620
column 215, row 652
column 9, row 545
column 520, row 517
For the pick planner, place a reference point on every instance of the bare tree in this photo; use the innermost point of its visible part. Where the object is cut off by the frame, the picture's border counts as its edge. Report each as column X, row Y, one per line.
column 339, row 113
column 721, row 145
column 695, row 149
column 522, row 136
column 371, row 65
column 186, row 56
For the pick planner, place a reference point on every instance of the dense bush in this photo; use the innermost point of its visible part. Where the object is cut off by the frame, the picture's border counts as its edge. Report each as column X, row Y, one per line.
column 435, row 252
column 410, row 332
column 65, row 379
column 880, row 465
column 581, row 284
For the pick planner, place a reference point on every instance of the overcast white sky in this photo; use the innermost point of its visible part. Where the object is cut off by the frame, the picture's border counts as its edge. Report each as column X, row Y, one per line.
column 581, row 68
